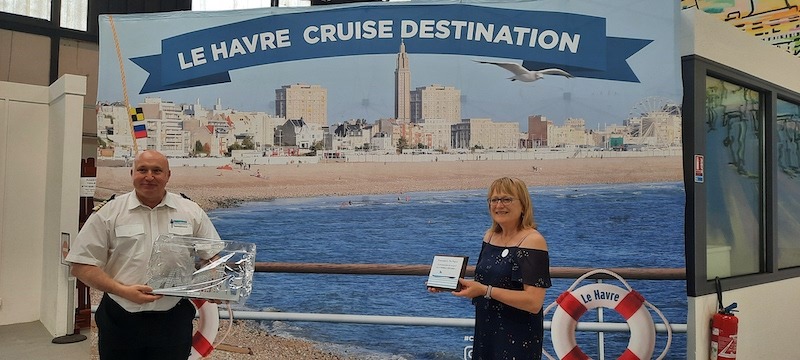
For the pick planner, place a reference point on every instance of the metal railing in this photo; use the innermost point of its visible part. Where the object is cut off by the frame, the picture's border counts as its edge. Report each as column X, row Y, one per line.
column 417, row 320
column 423, row 270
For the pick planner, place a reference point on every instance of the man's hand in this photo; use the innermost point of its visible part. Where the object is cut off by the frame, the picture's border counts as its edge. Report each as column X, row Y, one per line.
column 96, row 278
column 140, row 294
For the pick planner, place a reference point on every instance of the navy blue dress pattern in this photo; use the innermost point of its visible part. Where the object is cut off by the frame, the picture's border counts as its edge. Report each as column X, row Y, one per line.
column 502, row 331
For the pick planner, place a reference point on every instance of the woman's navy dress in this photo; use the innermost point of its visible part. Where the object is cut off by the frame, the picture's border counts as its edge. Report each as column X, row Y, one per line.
column 502, row 331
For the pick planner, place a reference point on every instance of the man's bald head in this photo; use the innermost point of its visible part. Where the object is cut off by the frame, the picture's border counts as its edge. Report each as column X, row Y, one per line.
column 150, row 175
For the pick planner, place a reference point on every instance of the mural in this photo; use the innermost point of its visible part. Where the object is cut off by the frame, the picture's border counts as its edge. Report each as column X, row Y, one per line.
column 774, row 21
column 369, row 132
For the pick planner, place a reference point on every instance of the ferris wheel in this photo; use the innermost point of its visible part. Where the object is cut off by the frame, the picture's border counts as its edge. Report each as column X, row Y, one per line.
column 653, row 104
column 646, row 115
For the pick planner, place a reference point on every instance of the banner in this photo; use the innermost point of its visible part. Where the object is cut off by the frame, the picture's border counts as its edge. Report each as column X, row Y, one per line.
column 575, row 43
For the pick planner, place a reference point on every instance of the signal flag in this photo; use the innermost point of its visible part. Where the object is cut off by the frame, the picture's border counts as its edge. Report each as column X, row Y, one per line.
column 139, row 131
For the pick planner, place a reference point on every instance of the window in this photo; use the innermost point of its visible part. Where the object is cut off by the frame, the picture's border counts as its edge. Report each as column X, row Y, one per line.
column 787, row 146
column 215, row 5
column 74, row 14
column 733, row 125
column 741, row 142
column 33, row 8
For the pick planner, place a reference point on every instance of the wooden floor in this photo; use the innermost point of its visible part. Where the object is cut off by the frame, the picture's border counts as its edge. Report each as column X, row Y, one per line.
column 32, row 341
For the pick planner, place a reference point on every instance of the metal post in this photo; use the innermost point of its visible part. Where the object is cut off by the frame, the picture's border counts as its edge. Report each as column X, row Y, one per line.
column 83, row 315
column 601, row 351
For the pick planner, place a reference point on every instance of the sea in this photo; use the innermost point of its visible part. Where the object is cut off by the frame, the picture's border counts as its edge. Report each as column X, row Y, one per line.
column 597, row 226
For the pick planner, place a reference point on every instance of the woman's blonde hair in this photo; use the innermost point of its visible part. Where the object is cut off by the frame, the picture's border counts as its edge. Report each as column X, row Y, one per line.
column 516, row 188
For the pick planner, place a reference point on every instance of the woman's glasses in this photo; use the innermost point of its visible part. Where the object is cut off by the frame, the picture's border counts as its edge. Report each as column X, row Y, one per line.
column 503, row 200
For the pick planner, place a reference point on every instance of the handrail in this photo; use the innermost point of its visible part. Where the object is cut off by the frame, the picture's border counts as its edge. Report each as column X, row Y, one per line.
column 424, row 270
column 417, row 320
column 589, row 326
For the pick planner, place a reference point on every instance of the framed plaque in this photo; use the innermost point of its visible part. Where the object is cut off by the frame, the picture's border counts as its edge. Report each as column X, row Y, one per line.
column 446, row 270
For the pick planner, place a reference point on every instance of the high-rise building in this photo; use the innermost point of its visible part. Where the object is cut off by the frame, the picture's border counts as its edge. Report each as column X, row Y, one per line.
column 572, row 133
column 436, row 102
column 301, row 101
column 165, row 131
column 485, row 134
column 537, row 130
column 440, row 132
column 402, row 86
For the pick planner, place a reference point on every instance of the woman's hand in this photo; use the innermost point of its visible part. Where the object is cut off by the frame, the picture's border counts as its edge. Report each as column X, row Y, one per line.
column 470, row 289
column 433, row 289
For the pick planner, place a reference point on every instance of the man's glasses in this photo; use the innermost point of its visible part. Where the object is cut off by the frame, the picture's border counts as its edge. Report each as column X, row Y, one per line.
column 504, row 201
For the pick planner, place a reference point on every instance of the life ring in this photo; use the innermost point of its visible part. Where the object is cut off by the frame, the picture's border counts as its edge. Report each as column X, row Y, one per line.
column 631, row 305
column 207, row 328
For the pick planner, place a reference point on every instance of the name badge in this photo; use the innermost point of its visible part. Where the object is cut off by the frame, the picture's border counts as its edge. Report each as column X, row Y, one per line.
column 178, row 224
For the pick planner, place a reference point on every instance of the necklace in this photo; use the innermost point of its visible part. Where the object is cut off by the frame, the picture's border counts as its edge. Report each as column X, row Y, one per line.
column 505, row 251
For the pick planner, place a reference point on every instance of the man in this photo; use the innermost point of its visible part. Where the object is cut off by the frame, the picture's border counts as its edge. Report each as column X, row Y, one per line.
column 112, row 251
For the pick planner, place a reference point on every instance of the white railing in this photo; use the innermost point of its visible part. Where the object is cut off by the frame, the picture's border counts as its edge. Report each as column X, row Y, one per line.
column 417, row 320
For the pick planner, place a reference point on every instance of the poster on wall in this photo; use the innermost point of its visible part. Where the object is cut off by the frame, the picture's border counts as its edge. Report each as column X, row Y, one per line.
column 368, row 134
column 390, row 68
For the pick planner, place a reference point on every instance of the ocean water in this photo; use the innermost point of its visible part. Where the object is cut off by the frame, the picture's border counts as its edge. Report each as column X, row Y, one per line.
column 628, row 225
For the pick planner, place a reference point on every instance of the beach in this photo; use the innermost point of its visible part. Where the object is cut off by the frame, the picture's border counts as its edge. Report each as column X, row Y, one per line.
column 213, row 188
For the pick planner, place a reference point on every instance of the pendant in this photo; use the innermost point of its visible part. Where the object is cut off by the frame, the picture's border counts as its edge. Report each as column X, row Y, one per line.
column 504, row 253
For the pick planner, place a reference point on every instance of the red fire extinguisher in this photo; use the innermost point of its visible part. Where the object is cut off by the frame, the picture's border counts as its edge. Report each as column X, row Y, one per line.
column 724, row 330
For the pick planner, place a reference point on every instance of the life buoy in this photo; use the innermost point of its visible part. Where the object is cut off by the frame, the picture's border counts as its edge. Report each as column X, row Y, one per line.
column 631, row 305
column 207, row 328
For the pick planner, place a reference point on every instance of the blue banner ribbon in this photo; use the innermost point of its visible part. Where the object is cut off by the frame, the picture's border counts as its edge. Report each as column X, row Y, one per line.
column 575, row 43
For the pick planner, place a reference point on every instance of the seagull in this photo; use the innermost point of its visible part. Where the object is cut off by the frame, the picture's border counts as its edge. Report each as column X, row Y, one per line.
column 523, row 74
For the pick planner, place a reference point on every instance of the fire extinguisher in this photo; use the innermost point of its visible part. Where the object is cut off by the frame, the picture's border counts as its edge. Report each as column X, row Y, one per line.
column 724, row 329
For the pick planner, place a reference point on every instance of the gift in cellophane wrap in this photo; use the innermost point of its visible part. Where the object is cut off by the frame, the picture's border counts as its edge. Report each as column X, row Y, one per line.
column 202, row 268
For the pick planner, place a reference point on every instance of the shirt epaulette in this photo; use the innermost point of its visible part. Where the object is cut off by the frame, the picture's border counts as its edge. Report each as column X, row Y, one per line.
column 185, row 197
column 102, row 203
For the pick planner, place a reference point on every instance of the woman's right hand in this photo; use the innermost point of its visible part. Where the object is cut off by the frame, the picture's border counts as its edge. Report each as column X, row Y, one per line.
column 470, row 289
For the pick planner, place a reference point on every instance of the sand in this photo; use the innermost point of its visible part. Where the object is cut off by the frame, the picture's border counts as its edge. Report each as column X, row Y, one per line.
column 247, row 341
column 213, row 188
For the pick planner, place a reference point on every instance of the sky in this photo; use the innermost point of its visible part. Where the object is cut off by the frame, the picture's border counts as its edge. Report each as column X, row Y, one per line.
column 362, row 86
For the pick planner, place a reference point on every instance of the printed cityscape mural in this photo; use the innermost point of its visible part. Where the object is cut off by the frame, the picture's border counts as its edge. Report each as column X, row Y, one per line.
column 774, row 21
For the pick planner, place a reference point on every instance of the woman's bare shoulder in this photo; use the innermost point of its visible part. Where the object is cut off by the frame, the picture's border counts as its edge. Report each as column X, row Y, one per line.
column 487, row 236
column 533, row 240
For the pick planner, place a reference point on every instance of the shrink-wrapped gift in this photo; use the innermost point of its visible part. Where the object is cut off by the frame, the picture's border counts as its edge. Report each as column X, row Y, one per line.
column 202, row 268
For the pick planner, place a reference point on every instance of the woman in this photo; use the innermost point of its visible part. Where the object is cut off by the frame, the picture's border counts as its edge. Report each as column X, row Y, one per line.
column 511, row 277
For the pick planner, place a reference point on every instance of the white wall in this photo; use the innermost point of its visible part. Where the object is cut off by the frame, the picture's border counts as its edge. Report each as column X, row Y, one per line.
column 705, row 35
column 768, row 315
column 767, row 321
column 23, row 130
column 40, row 142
